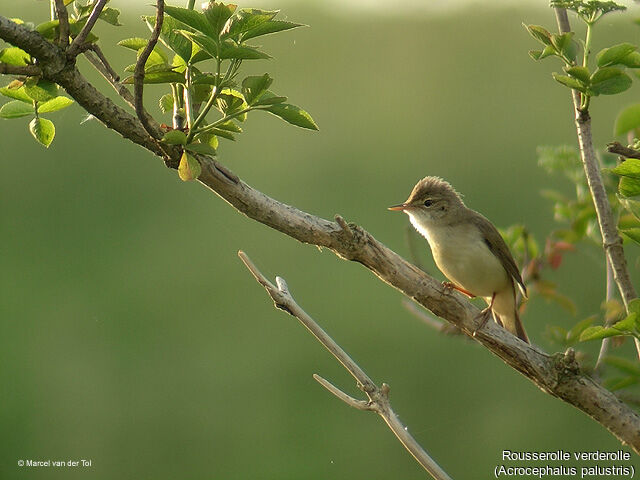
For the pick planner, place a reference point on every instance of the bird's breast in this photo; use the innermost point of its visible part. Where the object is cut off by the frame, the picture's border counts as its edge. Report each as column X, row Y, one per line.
column 462, row 255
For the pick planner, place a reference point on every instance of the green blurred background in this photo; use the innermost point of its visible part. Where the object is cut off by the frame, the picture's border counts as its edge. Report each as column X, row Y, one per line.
column 133, row 336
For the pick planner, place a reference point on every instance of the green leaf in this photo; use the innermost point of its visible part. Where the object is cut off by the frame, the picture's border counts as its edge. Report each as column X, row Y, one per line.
column 596, row 333
column 16, row 93
column 201, row 148
column 629, row 187
column 632, row 233
column 535, row 54
column 217, row 14
column 170, row 36
column 229, row 126
column 134, row 43
column 193, row 19
column 561, row 41
column 629, row 168
column 243, row 52
column 570, row 82
column 218, row 132
column 14, row 56
column 249, row 18
column 573, row 335
column 40, row 90
column 175, row 137
column 628, row 323
column 272, row 26
column 293, row 114
column 581, row 73
column 49, row 29
column 110, row 15
column 631, row 205
column 609, row 81
column 539, row 33
column 189, row 168
column 42, row 130
column 226, row 50
column 16, row 109
column 628, row 119
column 55, row 104
column 253, row 87
column 166, row 103
column 270, row 98
column 548, row 51
column 159, row 77
column 230, row 102
column 613, row 55
column 208, row 138
column 632, row 60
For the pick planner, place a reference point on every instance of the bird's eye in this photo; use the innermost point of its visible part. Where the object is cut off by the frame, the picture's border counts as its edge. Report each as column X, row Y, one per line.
column 428, row 203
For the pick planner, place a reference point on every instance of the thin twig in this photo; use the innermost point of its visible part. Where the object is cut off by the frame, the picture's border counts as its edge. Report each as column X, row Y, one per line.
column 98, row 51
column 29, row 70
column 138, row 76
column 122, row 90
column 76, row 46
column 378, row 396
column 619, row 149
column 63, row 22
column 606, row 342
column 611, row 241
column 430, row 320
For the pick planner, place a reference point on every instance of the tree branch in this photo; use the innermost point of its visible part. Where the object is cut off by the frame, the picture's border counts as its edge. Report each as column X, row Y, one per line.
column 378, row 396
column 138, row 76
column 556, row 375
column 611, row 241
column 28, row 70
column 619, row 149
column 101, row 65
column 63, row 21
column 78, row 43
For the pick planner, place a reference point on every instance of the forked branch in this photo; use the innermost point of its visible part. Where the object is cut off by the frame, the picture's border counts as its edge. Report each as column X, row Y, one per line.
column 378, row 396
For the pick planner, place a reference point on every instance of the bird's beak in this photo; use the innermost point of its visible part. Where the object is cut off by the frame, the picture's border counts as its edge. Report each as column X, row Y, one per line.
column 398, row 208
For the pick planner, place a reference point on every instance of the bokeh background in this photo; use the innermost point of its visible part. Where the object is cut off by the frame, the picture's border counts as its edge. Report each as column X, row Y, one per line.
column 132, row 335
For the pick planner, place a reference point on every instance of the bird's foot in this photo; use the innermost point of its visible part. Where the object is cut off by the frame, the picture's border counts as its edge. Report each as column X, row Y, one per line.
column 452, row 286
column 483, row 316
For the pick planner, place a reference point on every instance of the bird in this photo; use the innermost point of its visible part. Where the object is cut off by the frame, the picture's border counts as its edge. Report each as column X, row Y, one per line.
column 468, row 249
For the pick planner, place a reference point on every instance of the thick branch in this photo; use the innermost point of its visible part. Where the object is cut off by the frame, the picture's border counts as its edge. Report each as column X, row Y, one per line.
column 378, row 396
column 138, row 76
column 77, row 45
column 28, row 70
column 553, row 374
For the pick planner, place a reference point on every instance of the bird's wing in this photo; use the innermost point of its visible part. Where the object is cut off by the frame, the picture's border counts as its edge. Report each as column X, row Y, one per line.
column 497, row 245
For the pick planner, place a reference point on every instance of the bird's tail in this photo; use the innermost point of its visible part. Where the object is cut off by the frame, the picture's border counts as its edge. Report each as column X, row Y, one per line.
column 520, row 333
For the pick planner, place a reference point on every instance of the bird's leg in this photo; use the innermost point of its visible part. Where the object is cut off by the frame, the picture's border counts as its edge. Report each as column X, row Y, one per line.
column 453, row 286
column 485, row 314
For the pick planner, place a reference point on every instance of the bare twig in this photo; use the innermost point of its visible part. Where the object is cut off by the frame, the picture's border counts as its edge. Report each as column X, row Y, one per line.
column 611, row 241
column 63, row 21
column 430, row 320
column 28, row 70
column 110, row 76
column 606, row 342
column 98, row 51
column 553, row 374
column 378, row 396
column 619, row 149
column 78, row 43
column 138, row 76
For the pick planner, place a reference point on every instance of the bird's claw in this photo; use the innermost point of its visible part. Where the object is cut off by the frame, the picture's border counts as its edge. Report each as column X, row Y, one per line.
column 484, row 315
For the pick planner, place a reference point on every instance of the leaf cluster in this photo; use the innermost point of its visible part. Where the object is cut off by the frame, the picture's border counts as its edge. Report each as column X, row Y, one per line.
column 215, row 37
